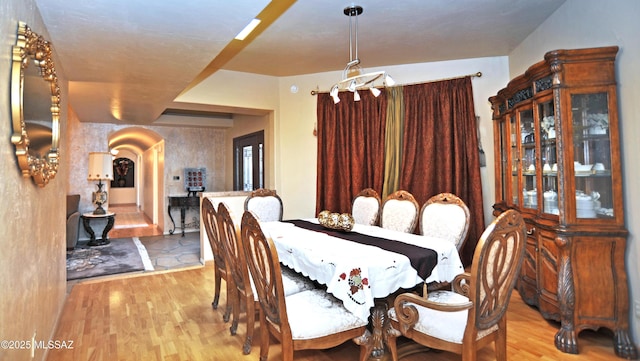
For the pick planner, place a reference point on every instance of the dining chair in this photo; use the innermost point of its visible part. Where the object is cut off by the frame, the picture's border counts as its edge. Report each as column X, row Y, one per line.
column 365, row 208
column 445, row 216
column 211, row 226
column 311, row 319
column 265, row 204
column 400, row 212
column 473, row 314
column 243, row 290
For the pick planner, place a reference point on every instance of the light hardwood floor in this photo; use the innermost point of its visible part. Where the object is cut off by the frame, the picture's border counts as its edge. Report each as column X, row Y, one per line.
column 168, row 316
column 131, row 222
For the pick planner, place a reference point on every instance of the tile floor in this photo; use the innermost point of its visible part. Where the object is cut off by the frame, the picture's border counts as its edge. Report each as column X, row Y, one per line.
column 173, row 251
column 166, row 252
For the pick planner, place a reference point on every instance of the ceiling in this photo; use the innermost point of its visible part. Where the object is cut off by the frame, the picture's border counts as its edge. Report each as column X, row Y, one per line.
column 126, row 61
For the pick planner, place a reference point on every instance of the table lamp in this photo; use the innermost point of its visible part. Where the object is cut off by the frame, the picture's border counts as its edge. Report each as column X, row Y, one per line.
column 100, row 168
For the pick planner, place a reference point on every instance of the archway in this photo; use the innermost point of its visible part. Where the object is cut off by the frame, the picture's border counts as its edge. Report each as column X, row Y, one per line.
column 148, row 148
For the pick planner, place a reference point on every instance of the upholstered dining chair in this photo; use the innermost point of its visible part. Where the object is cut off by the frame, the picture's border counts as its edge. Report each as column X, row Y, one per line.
column 445, row 216
column 242, row 290
column 311, row 319
column 400, row 212
column 473, row 314
column 211, row 226
column 265, row 204
column 365, row 208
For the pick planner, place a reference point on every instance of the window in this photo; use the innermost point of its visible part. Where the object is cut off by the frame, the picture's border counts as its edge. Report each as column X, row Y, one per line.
column 248, row 162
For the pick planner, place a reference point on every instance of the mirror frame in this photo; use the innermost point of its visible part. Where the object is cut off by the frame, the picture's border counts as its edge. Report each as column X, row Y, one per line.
column 32, row 50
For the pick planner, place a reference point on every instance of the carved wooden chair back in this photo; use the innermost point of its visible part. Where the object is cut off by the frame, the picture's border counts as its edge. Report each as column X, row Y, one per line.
column 211, row 226
column 311, row 319
column 265, row 204
column 474, row 311
column 445, row 216
column 400, row 212
column 241, row 291
column 365, row 208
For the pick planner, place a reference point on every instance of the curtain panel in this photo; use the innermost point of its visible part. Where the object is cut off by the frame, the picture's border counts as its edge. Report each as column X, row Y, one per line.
column 350, row 148
column 393, row 141
column 440, row 148
column 421, row 138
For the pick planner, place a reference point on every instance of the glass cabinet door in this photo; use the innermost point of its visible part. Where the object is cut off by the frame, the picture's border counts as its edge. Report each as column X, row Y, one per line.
column 592, row 155
column 505, row 167
column 515, row 157
column 548, row 157
column 528, row 159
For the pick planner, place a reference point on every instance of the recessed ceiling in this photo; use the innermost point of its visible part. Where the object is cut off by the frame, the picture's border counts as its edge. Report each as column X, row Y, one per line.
column 127, row 61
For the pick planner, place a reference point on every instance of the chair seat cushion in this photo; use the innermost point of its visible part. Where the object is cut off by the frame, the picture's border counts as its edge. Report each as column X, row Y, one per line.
column 316, row 313
column 448, row 326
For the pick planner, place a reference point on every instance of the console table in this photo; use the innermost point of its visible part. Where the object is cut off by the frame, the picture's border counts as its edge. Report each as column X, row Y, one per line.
column 86, row 222
column 184, row 203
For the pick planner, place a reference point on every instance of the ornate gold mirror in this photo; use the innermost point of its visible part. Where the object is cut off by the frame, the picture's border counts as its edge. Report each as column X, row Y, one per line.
column 35, row 107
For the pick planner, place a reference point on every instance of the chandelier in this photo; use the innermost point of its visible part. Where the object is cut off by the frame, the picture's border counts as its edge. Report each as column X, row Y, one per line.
column 353, row 76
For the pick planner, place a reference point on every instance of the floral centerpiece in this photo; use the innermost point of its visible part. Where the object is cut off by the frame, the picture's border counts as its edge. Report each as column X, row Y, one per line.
column 338, row 221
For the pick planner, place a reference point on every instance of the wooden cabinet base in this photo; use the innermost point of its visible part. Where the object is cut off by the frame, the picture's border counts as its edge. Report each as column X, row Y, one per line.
column 594, row 291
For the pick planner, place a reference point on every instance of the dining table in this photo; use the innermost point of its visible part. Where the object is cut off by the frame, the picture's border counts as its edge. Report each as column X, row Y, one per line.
column 364, row 264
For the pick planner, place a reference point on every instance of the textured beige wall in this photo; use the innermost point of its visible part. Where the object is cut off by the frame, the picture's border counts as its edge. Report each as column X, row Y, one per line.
column 32, row 219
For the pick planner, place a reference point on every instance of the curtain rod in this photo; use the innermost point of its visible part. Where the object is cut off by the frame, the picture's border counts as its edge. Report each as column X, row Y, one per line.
column 474, row 75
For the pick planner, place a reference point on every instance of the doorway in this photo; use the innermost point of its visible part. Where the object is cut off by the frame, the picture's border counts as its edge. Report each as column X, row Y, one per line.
column 248, row 162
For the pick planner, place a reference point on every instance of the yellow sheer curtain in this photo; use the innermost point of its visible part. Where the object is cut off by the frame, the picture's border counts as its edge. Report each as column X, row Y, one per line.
column 393, row 140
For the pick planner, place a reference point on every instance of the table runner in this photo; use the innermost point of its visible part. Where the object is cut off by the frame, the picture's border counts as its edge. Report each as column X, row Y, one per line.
column 423, row 260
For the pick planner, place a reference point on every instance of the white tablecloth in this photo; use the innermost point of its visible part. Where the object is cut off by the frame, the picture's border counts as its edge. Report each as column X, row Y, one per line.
column 357, row 273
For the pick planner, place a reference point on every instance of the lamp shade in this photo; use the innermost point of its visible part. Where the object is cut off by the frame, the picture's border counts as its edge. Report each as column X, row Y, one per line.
column 100, row 166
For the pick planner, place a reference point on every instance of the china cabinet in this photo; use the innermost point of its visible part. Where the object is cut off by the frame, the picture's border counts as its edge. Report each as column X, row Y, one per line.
column 558, row 162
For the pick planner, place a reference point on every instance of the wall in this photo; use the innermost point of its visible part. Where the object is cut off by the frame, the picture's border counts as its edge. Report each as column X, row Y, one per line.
column 148, row 190
column 32, row 219
column 593, row 23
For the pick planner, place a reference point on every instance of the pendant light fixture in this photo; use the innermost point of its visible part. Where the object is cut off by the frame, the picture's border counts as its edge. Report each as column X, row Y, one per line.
column 353, row 76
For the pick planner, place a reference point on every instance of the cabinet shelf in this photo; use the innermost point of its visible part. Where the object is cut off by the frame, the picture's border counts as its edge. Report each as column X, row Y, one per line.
column 588, row 174
column 593, row 173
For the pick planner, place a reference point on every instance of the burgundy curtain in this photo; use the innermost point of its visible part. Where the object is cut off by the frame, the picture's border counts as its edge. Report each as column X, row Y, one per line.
column 440, row 149
column 350, row 148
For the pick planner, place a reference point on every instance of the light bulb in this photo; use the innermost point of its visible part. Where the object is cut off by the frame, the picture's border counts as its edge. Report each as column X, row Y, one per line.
column 334, row 91
column 356, row 96
column 375, row 91
column 352, row 86
column 389, row 81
